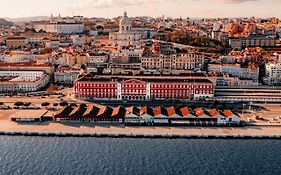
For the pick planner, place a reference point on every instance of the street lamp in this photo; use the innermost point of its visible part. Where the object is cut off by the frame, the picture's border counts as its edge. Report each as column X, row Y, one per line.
column 243, row 109
column 250, row 107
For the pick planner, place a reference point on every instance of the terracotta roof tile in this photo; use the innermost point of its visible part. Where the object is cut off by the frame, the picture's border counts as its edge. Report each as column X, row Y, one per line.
column 213, row 112
column 185, row 111
column 228, row 113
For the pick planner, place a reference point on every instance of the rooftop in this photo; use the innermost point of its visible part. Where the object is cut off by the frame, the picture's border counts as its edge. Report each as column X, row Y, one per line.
column 99, row 111
column 158, row 78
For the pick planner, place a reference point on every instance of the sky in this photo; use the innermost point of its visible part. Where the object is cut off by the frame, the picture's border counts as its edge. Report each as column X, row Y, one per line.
column 155, row 8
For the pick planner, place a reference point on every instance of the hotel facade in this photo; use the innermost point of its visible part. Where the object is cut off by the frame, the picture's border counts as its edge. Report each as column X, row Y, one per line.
column 144, row 87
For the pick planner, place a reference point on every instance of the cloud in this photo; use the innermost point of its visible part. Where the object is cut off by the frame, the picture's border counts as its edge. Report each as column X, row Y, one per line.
column 234, row 1
column 117, row 3
column 127, row 3
column 111, row 8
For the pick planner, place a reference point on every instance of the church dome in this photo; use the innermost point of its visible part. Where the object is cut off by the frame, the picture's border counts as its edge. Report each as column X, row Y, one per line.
column 125, row 21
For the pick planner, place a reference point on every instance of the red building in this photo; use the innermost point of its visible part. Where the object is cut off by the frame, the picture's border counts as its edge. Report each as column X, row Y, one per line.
column 143, row 87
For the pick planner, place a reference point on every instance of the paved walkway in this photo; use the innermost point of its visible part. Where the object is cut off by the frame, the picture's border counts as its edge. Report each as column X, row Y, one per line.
column 7, row 125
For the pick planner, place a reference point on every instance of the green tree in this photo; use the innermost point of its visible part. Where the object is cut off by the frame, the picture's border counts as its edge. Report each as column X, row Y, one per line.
column 64, row 103
column 27, row 104
column 19, row 103
column 45, row 104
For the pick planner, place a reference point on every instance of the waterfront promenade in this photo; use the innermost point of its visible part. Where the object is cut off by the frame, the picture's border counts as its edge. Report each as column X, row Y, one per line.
column 91, row 129
column 84, row 129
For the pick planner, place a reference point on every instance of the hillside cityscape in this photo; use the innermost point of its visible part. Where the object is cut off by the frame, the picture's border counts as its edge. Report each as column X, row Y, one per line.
column 141, row 70
column 140, row 87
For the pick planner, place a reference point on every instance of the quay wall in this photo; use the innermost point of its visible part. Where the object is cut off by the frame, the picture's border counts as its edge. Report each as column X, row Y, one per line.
column 134, row 135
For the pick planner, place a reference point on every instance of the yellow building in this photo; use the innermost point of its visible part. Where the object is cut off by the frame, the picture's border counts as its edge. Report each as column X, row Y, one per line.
column 82, row 59
column 16, row 42
column 68, row 59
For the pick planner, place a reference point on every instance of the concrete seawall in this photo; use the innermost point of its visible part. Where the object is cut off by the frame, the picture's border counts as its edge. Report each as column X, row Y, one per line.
column 133, row 135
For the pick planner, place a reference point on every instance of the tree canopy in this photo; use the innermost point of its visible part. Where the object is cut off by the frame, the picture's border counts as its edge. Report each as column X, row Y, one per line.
column 45, row 104
column 204, row 44
column 19, row 103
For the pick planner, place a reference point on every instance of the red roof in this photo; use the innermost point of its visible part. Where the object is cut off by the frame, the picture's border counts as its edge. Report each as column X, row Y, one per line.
column 185, row 111
column 228, row 113
column 213, row 112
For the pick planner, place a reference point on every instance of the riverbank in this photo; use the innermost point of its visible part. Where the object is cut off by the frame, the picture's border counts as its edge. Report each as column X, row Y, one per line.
column 69, row 129
column 262, row 129
column 132, row 135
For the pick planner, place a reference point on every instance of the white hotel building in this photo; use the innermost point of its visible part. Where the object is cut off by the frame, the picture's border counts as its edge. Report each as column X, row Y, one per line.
column 22, row 81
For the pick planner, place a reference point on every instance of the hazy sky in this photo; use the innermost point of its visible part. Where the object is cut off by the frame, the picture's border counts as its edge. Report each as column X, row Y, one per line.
column 112, row 8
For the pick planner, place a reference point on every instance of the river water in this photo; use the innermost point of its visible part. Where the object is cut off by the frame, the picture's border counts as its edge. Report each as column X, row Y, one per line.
column 121, row 156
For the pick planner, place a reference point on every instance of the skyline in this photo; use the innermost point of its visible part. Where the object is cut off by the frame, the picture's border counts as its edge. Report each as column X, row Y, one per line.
column 155, row 8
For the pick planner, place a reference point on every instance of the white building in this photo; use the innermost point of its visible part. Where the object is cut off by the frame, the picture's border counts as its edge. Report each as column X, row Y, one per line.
column 66, row 75
column 78, row 40
column 183, row 61
column 250, row 72
column 53, row 44
column 231, row 117
column 22, row 81
column 97, row 58
column 262, row 41
column 273, row 73
column 132, row 115
column 125, row 36
column 160, row 116
column 60, row 27
column 16, row 59
column 132, row 55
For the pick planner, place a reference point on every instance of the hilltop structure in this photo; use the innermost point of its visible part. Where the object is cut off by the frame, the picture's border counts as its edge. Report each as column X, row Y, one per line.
column 125, row 36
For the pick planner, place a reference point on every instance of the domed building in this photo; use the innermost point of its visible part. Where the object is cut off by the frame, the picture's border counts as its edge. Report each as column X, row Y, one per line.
column 125, row 36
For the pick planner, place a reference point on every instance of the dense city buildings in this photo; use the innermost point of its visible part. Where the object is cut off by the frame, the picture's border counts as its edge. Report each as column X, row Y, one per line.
column 141, row 92
column 238, row 52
